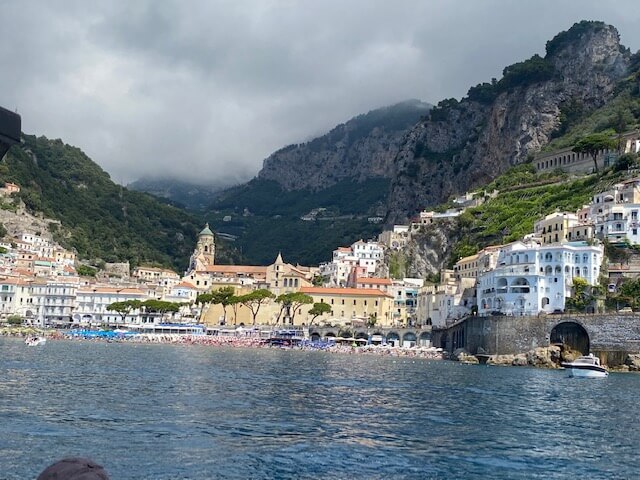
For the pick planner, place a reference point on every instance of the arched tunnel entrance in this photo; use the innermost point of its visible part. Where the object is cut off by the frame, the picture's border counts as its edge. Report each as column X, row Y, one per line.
column 571, row 334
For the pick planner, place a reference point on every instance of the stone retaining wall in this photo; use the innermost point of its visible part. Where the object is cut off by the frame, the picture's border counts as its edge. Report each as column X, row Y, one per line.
column 612, row 336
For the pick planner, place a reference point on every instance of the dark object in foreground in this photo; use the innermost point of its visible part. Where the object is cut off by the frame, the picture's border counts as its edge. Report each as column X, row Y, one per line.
column 74, row 469
column 10, row 124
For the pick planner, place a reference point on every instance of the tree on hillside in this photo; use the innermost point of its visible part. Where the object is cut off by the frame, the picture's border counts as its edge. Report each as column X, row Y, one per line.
column 629, row 292
column 584, row 297
column 86, row 271
column 593, row 144
column 318, row 309
column 254, row 300
column 625, row 162
column 291, row 302
column 124, row 308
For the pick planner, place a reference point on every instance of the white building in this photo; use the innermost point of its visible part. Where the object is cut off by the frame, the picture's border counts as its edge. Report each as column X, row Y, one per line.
column 361, row 258
column 59, row 300
column 615, row 213
column 531, row 278
column 92, row 302
column 369, row 254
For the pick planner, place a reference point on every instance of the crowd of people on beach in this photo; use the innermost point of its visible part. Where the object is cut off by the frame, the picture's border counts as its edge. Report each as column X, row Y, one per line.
column 243, row 340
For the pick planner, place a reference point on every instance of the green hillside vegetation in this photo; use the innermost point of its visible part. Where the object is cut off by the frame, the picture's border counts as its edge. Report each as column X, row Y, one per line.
column 524, row 198
column 266, row 197
column 273, row 221
column 100, row 220
column 308, row 243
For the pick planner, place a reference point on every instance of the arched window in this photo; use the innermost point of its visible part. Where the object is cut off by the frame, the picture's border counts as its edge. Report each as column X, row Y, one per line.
column 548, row 270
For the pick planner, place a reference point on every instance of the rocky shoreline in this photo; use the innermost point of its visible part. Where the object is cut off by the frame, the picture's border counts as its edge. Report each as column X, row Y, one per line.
column 541, row 357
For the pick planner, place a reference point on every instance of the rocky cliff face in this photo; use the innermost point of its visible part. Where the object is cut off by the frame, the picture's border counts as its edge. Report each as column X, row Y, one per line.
column 463, row 145
column 362, row 148
column 429, row 250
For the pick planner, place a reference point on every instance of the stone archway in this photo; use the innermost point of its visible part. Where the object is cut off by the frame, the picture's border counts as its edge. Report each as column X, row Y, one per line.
column 410, row 339
column 393, row 338
column 425, row 339
column 571, row 334
column 315, row 337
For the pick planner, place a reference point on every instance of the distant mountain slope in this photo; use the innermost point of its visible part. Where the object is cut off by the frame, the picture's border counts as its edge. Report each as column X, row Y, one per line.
column 99, row 218
column 190, row 195
column 362, row 148
column 345, row 172
column 463, row 145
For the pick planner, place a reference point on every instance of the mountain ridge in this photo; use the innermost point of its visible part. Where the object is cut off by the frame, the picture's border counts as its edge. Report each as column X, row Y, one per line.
column 465, row 144
column 359, row 149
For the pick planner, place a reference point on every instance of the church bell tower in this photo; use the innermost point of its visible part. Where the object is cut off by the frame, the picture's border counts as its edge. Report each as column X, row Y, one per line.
column 205, row 252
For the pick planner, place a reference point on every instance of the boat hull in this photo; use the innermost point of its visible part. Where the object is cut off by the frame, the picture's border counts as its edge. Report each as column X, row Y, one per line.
column 587, row 372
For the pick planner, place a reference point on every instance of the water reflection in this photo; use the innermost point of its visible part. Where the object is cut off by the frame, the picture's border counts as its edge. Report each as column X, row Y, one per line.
column 165, row 412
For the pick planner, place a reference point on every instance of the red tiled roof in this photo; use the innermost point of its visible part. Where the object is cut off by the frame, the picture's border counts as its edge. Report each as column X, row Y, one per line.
column 235, row 269
column 370, row 292
column 374, row 281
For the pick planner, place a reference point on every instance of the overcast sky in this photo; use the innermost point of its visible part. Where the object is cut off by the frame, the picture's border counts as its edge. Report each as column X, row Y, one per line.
column 205, row 90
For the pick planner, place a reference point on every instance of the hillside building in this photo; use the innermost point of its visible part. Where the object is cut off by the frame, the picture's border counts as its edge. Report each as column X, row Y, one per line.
column 531, row 278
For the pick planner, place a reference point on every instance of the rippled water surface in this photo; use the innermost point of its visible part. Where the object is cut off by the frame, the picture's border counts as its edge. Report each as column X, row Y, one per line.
column 177, row 412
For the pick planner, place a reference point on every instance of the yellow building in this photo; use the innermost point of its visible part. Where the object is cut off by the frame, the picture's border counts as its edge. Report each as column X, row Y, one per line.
column 349, row 305
column 157, row 276
column 554, row 228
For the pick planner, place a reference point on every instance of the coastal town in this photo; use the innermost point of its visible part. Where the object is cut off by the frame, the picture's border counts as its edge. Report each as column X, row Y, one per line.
column 44, row 285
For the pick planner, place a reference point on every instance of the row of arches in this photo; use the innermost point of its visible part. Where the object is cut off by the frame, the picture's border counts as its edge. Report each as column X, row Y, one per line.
column 376, row 337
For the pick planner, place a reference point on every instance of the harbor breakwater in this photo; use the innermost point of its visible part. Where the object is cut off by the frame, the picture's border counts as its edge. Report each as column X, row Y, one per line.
column 613, row 337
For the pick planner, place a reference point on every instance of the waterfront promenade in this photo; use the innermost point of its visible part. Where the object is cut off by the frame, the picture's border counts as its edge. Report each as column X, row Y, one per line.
column 238, row 339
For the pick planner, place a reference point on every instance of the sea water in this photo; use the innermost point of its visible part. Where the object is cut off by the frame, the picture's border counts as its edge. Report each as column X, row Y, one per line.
column 195, row 412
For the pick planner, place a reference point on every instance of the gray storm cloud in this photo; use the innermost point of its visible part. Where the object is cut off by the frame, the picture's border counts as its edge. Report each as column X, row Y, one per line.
column 205, row 90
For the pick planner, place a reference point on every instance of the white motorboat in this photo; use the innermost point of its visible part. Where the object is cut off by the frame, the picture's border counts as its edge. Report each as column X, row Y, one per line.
column 35, row 341
column 586, row 366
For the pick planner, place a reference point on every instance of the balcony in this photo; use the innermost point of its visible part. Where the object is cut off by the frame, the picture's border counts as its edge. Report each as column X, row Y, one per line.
column 515, row 271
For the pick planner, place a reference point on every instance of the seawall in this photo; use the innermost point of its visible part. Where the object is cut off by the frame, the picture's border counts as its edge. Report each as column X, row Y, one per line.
column 611, row 336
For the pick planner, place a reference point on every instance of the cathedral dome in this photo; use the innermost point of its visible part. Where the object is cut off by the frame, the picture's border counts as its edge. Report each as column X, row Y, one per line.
column 206, row 231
